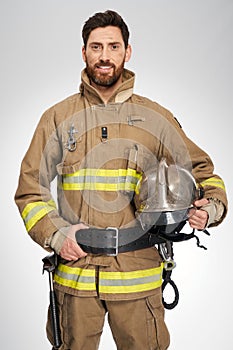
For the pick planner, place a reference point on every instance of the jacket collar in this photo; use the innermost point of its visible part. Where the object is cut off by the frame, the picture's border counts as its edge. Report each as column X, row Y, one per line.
column 121, row 94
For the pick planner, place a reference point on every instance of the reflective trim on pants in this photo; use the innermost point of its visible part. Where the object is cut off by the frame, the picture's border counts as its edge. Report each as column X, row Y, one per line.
column 109, row 282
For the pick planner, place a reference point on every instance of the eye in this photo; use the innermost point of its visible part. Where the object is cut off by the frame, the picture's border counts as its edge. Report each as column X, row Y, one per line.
column 96, row 47
column 115, row 46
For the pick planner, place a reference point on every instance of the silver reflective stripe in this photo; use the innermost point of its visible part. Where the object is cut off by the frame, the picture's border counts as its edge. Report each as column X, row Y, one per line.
column 35, row 211
column 74, row 277
column 99, row 179
column 129, row 282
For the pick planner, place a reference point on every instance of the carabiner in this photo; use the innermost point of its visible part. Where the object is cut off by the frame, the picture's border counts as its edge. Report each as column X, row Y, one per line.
column 71, row 142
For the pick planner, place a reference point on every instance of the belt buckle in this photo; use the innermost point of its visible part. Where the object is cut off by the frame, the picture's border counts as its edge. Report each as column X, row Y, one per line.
column 116, row 230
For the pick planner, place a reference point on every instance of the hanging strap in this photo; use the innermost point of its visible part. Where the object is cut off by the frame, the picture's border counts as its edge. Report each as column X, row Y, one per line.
column 166, row 251
column 167, row 280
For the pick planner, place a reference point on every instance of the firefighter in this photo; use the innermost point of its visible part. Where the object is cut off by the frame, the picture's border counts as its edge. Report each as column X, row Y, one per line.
column 98, row 145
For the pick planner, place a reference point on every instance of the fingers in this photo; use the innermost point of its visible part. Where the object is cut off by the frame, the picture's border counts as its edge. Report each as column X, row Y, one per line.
column 70, row 249
column 199, row 219
column 74, row 228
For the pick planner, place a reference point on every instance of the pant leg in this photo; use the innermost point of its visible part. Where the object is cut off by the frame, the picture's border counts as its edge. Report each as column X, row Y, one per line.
column 138, row 324
column 81, row 322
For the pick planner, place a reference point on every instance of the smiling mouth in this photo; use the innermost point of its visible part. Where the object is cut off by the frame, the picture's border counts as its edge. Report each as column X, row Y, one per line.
column 104, row 68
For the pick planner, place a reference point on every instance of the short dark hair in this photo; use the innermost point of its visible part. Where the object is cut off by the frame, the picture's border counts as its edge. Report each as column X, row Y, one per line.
column 104, row 19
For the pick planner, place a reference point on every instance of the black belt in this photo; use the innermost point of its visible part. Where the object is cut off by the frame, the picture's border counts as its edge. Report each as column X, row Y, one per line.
column 111, row 241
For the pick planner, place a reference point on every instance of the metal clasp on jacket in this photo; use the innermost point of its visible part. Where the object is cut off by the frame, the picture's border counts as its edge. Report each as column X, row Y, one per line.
column 71, row 142
column 134, row 119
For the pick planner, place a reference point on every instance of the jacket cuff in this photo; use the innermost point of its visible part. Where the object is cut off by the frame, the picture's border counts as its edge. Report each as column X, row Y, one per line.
column 57, row 239
column 215, row 210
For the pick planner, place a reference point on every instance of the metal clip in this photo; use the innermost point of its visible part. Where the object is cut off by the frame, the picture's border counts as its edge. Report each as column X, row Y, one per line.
column 71, row 143
column 167, row 255
column 169, row 265
column 166, row 251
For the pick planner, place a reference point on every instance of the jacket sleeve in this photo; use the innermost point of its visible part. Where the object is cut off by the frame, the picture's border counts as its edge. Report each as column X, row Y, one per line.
column 38, row 169
column 203, row 171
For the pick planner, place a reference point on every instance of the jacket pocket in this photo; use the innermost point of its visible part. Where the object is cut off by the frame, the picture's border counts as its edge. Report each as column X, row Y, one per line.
column 63, row 169
column 158, row 334
column 136, row 158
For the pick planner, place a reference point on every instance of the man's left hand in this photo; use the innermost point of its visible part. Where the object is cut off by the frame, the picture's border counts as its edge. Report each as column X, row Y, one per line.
column 200, row 217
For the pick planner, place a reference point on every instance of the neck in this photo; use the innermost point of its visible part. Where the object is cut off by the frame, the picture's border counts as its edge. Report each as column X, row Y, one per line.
column 106, row 91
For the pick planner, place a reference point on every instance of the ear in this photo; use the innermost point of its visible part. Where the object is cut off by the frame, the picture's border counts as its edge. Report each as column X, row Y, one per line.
column 84, row 54
column 128, row 53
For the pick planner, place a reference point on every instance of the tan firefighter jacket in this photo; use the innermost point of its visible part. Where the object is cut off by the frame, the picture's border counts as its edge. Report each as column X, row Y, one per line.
column 98, row 153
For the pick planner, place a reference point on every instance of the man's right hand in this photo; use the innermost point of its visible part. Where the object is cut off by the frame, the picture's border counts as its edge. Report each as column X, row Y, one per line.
column 70, row 249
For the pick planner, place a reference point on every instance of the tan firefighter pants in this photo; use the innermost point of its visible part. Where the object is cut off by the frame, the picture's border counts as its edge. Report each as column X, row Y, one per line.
column 135, row 324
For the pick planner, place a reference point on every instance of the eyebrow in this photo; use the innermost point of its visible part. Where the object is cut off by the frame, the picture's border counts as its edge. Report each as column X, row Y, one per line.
column 110, row 43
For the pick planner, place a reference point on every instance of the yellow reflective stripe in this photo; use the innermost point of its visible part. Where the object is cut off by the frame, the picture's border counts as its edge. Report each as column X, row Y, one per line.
column 213, row 181
column 130, row 282
column 109, row 282
column 130, row 289
column 98, row 187
column 131, row 274
column 101, row 180
column 35, row 211
column 105, row 172
column 138, row 186
column 75, row 277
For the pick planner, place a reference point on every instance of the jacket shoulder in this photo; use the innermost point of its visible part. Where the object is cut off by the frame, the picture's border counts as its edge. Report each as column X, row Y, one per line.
column 155, row 106
column 63, row 109
column 64, row 104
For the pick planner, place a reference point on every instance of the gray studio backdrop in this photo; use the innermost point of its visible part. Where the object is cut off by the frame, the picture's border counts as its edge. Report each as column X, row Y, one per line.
column 182, row 56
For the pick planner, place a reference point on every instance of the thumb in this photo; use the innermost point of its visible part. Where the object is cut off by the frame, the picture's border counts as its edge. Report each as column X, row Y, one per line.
column 201, row 202
column 74, row 228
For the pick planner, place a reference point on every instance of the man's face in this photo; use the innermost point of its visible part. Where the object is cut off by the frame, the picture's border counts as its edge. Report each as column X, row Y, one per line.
column 105, row 55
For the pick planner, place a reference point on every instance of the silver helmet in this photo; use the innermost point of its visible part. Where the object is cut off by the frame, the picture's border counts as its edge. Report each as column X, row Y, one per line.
column 166, row 195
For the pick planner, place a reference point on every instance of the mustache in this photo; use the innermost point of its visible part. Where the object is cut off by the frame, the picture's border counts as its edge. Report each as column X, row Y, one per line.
column 104, row 64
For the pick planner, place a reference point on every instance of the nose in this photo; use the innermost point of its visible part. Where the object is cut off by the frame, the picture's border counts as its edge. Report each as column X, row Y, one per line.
column 105, row 55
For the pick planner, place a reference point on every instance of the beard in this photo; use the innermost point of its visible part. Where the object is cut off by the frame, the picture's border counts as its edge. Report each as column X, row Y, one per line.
column 104, row 79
